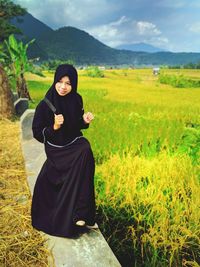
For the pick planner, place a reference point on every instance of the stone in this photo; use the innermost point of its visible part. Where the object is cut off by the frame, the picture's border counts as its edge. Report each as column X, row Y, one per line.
column 21, row 105
column 26, row 124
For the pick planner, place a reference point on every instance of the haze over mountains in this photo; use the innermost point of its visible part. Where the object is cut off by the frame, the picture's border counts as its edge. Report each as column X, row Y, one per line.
column 69, row 43
column 141, row 47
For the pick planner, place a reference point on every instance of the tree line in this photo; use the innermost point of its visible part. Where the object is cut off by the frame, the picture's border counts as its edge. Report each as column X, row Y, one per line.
column 186, row 66
column 14, row 62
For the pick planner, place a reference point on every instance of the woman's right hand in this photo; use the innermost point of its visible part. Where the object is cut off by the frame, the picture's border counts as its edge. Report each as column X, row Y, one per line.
column 58, row 121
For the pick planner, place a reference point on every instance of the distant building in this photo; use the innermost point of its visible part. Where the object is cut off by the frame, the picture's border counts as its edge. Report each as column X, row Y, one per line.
column 156, row 71
column 101, row 67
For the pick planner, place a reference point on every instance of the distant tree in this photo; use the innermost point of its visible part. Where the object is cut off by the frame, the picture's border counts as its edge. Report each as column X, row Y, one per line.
column 53, row 64
column 95, row 72
column 175, row 67
column 198, row 65
column 190, row 66
column 8, row 10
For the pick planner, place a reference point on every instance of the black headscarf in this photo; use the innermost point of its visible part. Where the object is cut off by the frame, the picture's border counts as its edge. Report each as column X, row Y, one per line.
column 66, row 70
column 69, row 105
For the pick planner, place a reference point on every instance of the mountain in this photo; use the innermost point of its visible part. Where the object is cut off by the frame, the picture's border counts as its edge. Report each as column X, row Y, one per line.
column 140, row 47
column 69, row 43
column 30, row 26
column 75, row 44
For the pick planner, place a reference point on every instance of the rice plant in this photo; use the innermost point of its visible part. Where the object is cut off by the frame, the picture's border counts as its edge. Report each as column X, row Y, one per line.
column 146, row 142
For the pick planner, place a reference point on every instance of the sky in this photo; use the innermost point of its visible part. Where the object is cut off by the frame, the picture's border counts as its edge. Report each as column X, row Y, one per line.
column 173, row 25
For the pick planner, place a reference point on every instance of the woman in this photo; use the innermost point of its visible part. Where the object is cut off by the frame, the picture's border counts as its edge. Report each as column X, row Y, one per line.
column 63, row 197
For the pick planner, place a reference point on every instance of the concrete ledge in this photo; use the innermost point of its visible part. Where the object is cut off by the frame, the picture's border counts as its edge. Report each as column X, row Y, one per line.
column 26, row 124
column 90, row 249
column 21, row 104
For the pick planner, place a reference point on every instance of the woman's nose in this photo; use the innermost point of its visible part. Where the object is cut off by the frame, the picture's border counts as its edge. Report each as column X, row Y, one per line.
column 62, row 85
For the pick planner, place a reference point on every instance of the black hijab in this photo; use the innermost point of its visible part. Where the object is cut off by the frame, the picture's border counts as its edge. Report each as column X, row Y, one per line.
column 69, row 105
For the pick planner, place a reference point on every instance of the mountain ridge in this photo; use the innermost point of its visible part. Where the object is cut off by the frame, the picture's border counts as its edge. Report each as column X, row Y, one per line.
column 31, row 26
column 140, row 47
column 70, row 43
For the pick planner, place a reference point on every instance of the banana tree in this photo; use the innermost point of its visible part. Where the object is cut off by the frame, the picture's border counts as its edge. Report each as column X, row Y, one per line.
column 19, row 64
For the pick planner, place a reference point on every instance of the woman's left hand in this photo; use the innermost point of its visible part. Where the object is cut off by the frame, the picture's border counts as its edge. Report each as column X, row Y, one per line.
column 88, row 117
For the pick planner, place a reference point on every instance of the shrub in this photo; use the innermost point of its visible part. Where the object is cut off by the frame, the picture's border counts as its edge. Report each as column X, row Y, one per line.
column 179, row 81
column 94, row 72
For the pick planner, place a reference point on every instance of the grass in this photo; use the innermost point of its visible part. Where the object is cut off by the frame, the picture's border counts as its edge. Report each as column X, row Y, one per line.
column 20, row 244
column 146, row 142
column 179, row 81
column 152, row 206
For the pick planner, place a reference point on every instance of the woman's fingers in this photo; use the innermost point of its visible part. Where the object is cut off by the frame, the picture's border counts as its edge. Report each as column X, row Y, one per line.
column 88, row 117
column 59, row 119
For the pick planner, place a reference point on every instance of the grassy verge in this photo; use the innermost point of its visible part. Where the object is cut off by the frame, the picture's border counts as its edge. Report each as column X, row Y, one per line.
column 179, row 81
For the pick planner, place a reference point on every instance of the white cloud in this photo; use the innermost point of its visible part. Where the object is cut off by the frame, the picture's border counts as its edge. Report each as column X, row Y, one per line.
column 147, row 28
column 159, row 42
column 195, row 27
column 119, row 22
column 128, row 31
column 125, row 22
column 68, row 13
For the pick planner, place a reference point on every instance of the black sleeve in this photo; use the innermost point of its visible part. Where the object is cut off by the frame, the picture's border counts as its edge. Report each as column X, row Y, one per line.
column 42, row 126
column 82, row 123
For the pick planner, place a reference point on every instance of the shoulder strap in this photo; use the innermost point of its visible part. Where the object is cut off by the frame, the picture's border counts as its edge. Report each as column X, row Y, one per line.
column 50, row 105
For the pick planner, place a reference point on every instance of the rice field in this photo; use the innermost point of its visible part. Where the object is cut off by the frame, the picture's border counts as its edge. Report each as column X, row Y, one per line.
column 146, row 142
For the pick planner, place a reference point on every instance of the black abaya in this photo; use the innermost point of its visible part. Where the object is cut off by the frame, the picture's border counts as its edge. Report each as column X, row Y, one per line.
column 64, row 189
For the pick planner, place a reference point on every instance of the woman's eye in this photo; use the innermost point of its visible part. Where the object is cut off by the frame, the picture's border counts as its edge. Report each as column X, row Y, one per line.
column 65, row 83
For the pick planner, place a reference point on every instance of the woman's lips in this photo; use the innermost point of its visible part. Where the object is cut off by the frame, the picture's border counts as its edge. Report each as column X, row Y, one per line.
column 62, row 91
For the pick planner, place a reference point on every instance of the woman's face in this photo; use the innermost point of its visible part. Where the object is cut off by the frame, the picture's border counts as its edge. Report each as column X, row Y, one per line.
column 63, row 87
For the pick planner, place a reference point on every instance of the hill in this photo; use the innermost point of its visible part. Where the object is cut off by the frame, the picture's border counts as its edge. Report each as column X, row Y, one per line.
column 141, row 47
column 30, row 26
column 75, row 44
column 69, row 43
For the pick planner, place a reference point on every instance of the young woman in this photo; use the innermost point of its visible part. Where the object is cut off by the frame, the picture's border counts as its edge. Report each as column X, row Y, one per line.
column 64, row 196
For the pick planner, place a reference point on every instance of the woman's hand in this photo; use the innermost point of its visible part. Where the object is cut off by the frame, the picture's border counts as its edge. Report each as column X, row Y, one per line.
column 88, row 117
column 58, row 121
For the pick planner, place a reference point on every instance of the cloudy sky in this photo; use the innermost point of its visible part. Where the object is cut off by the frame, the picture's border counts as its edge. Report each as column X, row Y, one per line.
column 170, row 24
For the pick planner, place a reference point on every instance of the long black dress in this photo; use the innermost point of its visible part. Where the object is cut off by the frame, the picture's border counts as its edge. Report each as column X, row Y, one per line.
column 64, row 189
